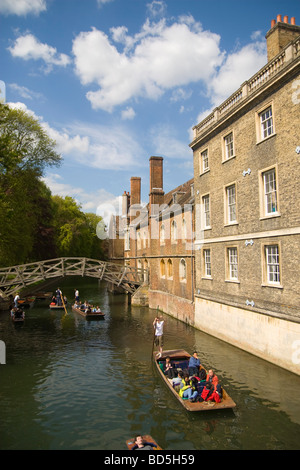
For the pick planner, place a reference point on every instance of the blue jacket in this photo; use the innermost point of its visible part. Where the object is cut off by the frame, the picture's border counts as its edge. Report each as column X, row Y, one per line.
column 194, row 362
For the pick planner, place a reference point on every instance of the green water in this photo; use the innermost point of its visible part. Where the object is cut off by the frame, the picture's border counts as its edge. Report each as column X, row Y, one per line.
column 71, row 384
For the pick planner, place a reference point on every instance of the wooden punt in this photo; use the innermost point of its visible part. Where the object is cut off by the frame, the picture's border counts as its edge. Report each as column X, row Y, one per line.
column 147, row 438
column 17, row 319
column 89, row 315
column 26, row 302
column 180, row 358
column 57, row 307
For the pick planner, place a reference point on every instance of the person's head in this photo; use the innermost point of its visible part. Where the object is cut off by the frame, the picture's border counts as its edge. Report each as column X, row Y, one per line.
column 139, row 440
column 211, row 373
column 180, row 373
column 186, row 377
column 168, row 359
column 195, row 354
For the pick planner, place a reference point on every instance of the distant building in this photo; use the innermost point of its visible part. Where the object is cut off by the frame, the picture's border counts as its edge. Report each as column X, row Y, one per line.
column 247, row 209
column 157, row 237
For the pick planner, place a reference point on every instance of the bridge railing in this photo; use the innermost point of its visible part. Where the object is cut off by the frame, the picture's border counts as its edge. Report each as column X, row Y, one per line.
column 14, row 278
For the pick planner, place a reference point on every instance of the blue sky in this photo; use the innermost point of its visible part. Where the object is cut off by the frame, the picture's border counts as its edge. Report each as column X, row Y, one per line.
column 117, row 81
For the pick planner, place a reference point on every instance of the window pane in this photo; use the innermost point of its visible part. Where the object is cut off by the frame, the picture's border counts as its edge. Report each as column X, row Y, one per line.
column 229, row 146
column 207, row 263
column 270, row 191
column 204, row 156
column 266, row 122
column 231, row 202
column 206, row 211
column 233, row 263
column 273, row 268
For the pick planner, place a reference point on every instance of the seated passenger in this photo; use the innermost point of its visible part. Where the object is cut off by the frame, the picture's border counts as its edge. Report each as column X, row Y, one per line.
column 210, row 394
column 170, row 370
column 194, row 364
column 140, row 444
column 177, row 381
column 202, row 381
column 188, row 389
column 212, row 378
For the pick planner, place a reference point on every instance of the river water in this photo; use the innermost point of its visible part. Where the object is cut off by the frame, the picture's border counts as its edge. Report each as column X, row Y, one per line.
column 74, row 384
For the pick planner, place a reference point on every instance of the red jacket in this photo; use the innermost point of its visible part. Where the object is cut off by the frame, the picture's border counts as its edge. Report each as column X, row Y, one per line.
column 214, row 380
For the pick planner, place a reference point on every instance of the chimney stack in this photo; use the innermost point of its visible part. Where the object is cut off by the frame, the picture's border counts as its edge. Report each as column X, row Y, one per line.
column 135, row 190
column 135, row 197
column 156, row 195
column 280, row 34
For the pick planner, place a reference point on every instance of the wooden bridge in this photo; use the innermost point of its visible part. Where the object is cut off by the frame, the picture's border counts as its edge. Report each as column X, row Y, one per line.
column 15, row 278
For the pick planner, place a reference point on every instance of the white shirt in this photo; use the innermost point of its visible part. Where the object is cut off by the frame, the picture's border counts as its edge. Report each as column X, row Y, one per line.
column 159, row 328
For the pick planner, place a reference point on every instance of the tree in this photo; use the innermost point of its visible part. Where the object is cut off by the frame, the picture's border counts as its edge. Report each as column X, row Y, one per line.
column 75, row 231
column 25, row 151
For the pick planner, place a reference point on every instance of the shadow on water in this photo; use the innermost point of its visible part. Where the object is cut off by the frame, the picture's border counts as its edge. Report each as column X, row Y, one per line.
column 73, row 384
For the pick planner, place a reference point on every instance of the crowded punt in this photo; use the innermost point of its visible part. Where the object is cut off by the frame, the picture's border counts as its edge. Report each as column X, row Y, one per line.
column 195, row 387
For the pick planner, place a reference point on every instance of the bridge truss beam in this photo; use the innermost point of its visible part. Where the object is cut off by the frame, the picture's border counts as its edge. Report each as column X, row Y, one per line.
column 15, row 278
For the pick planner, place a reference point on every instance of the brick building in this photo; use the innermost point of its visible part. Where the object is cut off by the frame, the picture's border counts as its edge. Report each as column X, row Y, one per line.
column 158, row 237
column 247, row 201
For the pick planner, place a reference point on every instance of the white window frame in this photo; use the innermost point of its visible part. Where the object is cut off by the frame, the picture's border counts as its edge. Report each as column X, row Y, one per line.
column 230, row 204
column 207, row 263
column 267, row 196
column 265, row 122
column 206, row 212
column 232, row 263
column 272, row 265
column 204, row 161
column 228, row 146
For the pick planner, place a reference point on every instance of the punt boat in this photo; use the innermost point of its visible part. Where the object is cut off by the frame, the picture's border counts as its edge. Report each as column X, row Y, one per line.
column 18, row 317
column 54, row 306
column 26, row 302
column 180, row 360
column 88, row 315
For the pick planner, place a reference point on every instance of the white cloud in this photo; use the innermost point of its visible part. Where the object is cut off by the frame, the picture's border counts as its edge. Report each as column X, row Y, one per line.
column 103, row 2
column 236, row 68
column 128, row 113
column 29, row 47
column 22, row 7
column 156, row 8
column 158, row 58
column 98, row 200
column 95, row 146
column 24, row 92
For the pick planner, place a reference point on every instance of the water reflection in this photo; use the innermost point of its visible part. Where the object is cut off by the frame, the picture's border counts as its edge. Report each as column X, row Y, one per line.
column 74, row 384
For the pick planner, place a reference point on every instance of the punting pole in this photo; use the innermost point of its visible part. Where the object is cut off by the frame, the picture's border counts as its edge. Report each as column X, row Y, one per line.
column 63, row 302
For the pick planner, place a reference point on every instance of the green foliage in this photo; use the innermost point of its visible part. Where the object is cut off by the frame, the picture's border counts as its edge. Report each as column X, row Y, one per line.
column 75, row 230
column 34, row 225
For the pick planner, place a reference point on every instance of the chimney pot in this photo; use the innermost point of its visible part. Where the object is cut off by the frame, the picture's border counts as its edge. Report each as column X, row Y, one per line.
column 285, row 19
column 273, row 22
column 293, row 20
column 279, row 19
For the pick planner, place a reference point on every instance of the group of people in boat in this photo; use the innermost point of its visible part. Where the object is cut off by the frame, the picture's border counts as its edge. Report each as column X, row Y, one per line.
column 86, row 307
column 193, row 382
column 58, row 298
column 17, row 313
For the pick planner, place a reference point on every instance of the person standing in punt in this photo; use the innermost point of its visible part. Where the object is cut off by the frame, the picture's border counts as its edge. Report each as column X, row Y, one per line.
column 158, row 325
